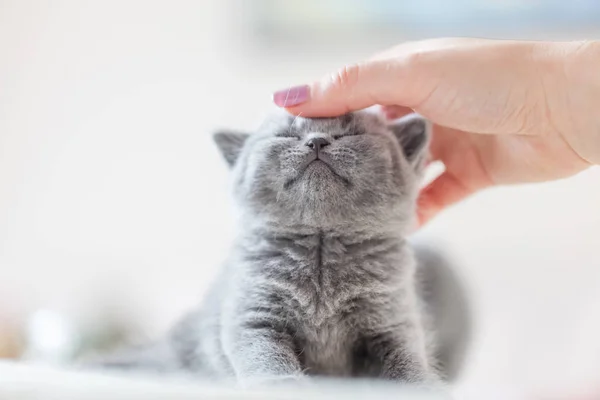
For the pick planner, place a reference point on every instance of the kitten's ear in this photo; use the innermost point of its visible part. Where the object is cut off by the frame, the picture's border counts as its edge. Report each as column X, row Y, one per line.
column 413, row 133
column 230, row 144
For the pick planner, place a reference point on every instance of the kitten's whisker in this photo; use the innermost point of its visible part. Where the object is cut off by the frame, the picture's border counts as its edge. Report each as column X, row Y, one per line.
column 293, row 122
column 287, row 95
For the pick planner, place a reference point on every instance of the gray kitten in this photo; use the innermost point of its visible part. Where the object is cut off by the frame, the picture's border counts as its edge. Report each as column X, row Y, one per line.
column 322, row 280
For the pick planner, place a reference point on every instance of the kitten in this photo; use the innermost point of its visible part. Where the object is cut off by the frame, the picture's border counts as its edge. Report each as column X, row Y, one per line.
column 322, row 280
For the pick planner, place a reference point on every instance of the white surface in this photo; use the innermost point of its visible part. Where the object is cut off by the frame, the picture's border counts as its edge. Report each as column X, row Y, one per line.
column 23, row 382
column 112, row 191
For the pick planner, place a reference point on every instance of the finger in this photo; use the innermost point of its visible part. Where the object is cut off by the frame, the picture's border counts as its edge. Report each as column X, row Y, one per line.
column 354, row 87
column 439, row 194
column 394, row 112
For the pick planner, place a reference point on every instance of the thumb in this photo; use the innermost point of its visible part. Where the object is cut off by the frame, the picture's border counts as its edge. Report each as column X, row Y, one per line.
column 443, row 192
column 353, row 87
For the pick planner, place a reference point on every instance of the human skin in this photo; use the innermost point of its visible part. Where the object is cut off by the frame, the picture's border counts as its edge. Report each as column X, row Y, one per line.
column 504, row 112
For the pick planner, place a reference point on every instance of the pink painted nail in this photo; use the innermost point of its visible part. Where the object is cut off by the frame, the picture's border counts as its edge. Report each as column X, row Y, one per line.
column 291, row 96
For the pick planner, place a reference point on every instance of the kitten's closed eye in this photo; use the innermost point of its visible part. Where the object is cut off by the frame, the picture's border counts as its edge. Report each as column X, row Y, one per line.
column 347, row 134
column 288, row 135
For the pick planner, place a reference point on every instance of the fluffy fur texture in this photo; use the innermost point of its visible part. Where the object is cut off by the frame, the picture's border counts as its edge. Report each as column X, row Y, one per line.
column 321, row 280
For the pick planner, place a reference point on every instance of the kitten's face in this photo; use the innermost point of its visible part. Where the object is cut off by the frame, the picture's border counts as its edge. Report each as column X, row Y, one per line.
column 328, row 172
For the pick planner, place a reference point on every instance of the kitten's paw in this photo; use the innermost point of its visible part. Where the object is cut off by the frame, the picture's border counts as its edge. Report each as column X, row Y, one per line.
column 413, row 378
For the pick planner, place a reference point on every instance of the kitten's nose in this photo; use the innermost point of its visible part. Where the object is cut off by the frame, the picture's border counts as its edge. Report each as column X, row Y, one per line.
column 317, row 143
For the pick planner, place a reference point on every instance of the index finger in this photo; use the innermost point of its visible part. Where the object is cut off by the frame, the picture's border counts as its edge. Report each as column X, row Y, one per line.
column 377, row 82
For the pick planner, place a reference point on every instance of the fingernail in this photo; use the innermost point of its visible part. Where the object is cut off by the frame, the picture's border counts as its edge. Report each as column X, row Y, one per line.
column 291, row 96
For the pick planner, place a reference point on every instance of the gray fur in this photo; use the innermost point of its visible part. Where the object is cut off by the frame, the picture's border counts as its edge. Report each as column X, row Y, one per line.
column 446, row 308
column 321, row 279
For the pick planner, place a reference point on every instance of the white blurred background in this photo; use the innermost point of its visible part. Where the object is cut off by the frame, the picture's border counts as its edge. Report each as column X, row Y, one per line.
column 114, row 203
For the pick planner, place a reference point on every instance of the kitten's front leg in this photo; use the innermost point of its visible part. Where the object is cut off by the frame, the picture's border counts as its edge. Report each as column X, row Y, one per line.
column 399, row 360
column 262, row 351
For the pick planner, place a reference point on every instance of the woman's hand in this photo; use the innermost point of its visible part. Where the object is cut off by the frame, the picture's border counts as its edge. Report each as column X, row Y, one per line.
column 505, row 112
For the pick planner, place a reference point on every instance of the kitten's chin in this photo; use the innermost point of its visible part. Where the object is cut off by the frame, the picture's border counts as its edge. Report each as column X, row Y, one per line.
column 316, row 176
